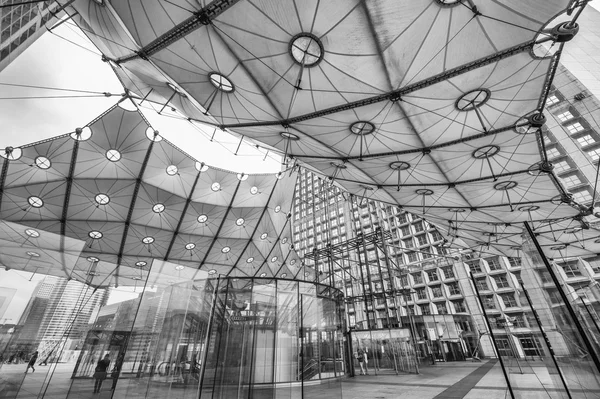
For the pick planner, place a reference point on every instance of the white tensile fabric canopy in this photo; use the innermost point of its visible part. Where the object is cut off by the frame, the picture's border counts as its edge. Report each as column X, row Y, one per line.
column 100, row 204
column 432, row 105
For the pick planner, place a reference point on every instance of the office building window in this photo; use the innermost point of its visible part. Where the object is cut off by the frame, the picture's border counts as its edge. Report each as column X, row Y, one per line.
column 595, row 153
column 418, row 226
column 422, row 239
column 403, row 281
column 494, row 263
column 474, row 266
column 561, row 166
column 459, row 306
column 437, row 292
column 448, row 272
column 454, row 289
column 571, row 269
column 572, row 180
column 425, row 310
column 552, row 100
column 574, row 128
column 509, row 300
column 421, row 293
column 441, row 308
column 586, row 140
column 402, row 218
column 553, row 153
column 545, row 276
column 481, row 284
column 501, row 281
column 412, row 257
column 582, row 196
column 488, row 302
column 554, row 296
column 594, row 263
column 432, row 275
column 405, row 230
column 514, row 262
column 417, row 278
column 565, row 116
column 436, row 236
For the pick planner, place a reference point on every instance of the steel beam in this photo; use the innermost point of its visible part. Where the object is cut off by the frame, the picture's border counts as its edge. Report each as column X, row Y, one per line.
column 394, row 95
column 198, row 19
column 136, row 189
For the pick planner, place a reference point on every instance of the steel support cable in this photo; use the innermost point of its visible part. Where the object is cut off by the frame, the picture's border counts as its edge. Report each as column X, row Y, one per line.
column 72, row 42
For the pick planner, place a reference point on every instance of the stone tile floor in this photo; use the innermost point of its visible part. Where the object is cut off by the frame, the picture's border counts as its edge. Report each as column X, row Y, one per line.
column 468, row 380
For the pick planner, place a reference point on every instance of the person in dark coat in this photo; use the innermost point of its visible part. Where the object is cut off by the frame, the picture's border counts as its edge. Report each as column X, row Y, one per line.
column 32, row 362
column 100, row 373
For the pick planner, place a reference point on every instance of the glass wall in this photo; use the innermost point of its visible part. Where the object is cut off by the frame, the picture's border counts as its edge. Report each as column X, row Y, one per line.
column 188, row 334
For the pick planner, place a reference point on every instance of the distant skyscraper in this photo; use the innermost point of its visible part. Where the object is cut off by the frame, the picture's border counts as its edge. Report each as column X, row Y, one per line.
column 59, row 310
column 21, row 25
column 6, row 296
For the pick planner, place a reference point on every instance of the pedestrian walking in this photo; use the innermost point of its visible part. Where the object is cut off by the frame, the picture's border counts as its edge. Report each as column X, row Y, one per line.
column 100, row 373
column 363, row 361
column 32, row 362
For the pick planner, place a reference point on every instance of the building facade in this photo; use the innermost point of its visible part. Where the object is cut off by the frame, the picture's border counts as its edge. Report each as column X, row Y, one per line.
column 21, row 25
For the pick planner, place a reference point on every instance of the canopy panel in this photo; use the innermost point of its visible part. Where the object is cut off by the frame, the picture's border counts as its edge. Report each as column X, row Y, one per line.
column 101, row 203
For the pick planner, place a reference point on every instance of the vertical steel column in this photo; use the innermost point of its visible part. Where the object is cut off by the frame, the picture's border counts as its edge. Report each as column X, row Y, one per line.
column 552, row 355
column 487, row 321
column 564, row 298
column 392, row 290
column 211, row 319
column 368, row 270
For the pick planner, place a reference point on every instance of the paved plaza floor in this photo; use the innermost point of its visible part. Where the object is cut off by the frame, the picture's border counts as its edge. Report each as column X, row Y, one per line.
column 470, row 380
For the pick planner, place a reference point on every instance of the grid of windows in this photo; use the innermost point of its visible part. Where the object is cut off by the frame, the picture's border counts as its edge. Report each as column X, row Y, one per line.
column 509, row 300
column 459, row 306
column 575, row 127
column 552, row 100
column 422, row 239
column 514, row 262
column 494, row 263
column 572, row 180
column 562, row 166
column 586, row 140
column 417, row 278
column 474, row 266
column 553, row 153
column 501, row 281
column 448, row 272
column 571, row 269
column 488, row 302
column 595, row 153
column 481, row 284
column 432, row 275
column 582, row 196
column 565, row 116
column 421, row 293
column 454, row 289
column 594, row 263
